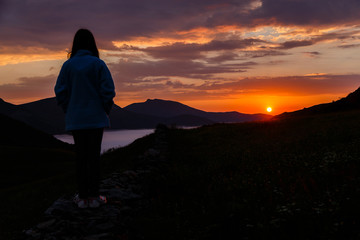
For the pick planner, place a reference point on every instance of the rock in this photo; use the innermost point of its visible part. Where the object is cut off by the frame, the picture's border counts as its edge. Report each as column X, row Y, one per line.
column 33, row 234
column 120, row 194
column 152, row 153
column 97, row 237
column 46, row 224
column 67, row 221
column 125, row 195
column 105, row 226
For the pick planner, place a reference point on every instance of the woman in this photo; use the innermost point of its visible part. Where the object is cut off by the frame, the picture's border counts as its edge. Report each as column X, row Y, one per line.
column 85, row 91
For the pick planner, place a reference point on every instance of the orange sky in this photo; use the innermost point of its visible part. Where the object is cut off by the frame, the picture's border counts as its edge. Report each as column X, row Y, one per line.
column 214, row 56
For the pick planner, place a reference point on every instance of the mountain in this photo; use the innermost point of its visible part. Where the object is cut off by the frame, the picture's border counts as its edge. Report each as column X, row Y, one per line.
column 7, row 108
column 49, row 117
column 171, row 109
column 348, row 103
column 122, row 118
column 17, row 133
column 45, row 115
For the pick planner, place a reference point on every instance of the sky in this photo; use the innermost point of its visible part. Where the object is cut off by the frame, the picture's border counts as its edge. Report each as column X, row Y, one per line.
column 214, row 55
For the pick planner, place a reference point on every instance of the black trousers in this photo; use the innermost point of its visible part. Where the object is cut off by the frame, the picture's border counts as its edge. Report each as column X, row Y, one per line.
column 88, row 149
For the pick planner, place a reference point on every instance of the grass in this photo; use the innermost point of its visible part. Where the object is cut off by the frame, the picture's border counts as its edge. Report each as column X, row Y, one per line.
column 285, row 179
column 31, row 180
column 288, row 179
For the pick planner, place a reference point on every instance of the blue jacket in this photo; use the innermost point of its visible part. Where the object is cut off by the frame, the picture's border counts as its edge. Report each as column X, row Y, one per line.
column 85, row 90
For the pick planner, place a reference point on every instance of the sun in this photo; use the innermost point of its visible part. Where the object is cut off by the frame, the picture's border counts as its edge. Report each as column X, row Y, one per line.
column 269, row 109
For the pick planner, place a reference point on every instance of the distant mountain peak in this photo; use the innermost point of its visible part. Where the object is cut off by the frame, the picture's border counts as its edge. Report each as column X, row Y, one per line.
column 45, row 115
column 170, row 109
column 157, row 100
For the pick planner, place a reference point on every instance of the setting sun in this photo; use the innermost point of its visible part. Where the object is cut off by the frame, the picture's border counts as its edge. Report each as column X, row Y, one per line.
column 269, row 109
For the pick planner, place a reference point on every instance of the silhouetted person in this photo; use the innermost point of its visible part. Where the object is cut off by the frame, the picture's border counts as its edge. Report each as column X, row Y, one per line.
column 85, row 91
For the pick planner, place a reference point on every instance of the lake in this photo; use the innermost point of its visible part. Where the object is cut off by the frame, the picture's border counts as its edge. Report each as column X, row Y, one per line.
column 113, row 138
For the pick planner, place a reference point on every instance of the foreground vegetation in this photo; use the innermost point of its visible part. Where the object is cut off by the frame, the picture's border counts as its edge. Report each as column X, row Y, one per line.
column 33, row 177
column 287, row 179
column 31, row 180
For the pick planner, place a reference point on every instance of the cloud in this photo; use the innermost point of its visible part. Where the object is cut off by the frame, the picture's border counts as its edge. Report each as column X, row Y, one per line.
column 263, row 53
column 301, row 86
column 234, row 47
column 311, row 84
column 180, row 50
column 223, row 57
column 138, row 71
column 29, row 88
column 51, row 24
column 312, row 54
column 309, row 12
column 294, row 44
column 294, row 85
column 349, row 46
column 177, row 88
column 338, row 34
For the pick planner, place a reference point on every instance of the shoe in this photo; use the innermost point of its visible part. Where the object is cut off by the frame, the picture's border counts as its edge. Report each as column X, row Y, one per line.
column 96, row 202
column 102, row 199
column 81, row 203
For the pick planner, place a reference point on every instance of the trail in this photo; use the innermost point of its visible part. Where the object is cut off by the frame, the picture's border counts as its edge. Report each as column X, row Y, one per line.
column 126, row 198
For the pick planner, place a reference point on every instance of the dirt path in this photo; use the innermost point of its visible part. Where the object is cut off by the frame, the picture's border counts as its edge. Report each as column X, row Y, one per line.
column 126, row 198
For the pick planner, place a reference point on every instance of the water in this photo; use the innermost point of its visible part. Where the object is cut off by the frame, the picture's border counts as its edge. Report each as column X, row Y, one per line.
column 113, row 138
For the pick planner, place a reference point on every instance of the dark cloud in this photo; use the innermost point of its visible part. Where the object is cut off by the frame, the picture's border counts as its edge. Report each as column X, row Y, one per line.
column 133, row 71
column 309, row 12
column 312, row 54
column 292, row 85
column 263, row 53
column 29, row 87
column 294, row 44
column 338, row 35
column 189, row 51
column 223, row 57
column 51, row 24
column 349, row 46
column 171, row 88
column 288, row 85
column 54, row 22
column 175, row 51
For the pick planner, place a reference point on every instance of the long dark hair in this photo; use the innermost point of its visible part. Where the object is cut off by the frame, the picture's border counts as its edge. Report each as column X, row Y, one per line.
column 84, row 39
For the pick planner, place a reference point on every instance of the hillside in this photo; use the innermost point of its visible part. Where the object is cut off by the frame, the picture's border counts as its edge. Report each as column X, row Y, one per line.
column 122, row 118
column 293, row 178
column 17, row 133
column 282, row 179
column 35, row 169
column 43, row 115
column 46, row 116
column 348, row 103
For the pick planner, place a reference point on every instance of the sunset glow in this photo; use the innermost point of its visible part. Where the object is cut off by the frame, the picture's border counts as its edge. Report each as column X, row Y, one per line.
column 269, row 109
column 240, row 56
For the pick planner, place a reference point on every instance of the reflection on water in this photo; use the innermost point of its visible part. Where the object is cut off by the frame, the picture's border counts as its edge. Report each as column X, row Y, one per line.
column 114, row 138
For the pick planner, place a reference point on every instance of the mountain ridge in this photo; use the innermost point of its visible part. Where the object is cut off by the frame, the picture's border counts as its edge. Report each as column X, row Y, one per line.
column 168, row 108
column 16, row 133
column 45, row 115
